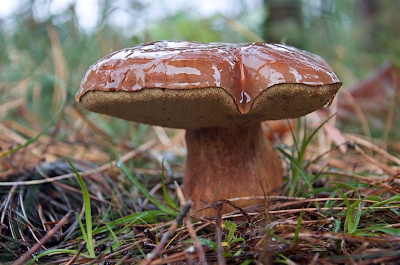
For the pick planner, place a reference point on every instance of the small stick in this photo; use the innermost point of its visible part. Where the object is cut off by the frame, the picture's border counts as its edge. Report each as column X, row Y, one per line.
column 168, row 235
column 244, row 213
column 76, row 255
column 190, row 229
column 387, row 169
column 344, row 237
column 220, row 250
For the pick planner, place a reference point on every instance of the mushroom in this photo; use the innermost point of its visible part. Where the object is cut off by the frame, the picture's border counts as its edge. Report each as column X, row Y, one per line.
column 220, row 93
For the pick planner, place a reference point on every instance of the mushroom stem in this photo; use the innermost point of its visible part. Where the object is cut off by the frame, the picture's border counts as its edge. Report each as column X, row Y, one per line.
column 225, row 163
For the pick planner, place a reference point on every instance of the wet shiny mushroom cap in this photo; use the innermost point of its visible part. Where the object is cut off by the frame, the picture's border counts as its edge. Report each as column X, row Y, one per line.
column 194, row 85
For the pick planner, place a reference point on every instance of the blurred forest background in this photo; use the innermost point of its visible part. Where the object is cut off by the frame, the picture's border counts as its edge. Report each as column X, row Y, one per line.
column 48, row 45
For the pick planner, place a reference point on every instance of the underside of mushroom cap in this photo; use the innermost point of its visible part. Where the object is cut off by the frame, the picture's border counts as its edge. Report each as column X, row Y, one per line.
column 208, row 107
column 194, row 85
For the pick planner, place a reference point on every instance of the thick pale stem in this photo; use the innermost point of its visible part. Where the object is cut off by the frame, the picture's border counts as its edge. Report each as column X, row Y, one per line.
column 225, row 163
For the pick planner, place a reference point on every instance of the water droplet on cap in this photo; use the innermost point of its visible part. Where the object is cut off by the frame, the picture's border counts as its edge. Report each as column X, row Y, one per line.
column 327, row 104
column 244, row 94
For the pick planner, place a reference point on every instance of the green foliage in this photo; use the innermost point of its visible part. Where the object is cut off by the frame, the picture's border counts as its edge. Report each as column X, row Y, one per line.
column 298, row 227
column 227, row 244
column 167, row 198
column 378, row 231
column 87, row 231
column 145, row 192
column 230, row 237
column 53, row 252
column 213, row 245
column 353, row 211
column 149, row 216
column 296, row 158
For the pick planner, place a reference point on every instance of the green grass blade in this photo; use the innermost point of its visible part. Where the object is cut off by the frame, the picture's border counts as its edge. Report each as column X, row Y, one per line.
column 116, row 244
column 150, row 216
column 82, row 227
column 298, row 226
column 357, row 215
column 231, row 227
column 328, row 203
column 395, row 198
column 212, row 245
column 353, row 213
column 53, row 252
column 314, row 132
column 88, row 212
column 167, row 198
column 349, row 215
column 237, row 240
column 387, row 230
column 145, row 192
column 337, row 225
column 301, row 173
column 207, row 242
column 247, row 262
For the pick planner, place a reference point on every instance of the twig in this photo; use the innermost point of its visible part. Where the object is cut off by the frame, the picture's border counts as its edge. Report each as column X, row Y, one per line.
column 76, row 255
column 243, row 212
column 387, row 169
column 38, row 245
column 366, row 178
column 368, row 144
column 123, row 249
column 345, row 237
column 330, row 209
column 190, row 229
column 220, row 250
column 168, row 235
column 293, row 203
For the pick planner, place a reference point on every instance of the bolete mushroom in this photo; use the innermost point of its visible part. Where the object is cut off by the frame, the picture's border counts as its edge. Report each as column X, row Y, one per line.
column 220, row 93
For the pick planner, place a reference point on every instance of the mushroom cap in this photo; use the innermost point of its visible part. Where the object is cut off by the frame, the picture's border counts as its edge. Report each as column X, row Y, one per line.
column 192, row 85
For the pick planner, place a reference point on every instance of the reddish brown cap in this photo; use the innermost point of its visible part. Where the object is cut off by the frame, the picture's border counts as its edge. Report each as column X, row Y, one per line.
column 193, row 85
